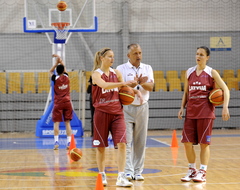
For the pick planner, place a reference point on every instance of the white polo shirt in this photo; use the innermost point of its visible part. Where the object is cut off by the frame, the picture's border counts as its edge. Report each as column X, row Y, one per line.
column 129, row 72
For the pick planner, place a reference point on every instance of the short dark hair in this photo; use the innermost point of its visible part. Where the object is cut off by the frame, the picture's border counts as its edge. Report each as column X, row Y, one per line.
column 60, row 69
column 132, row 45
column 205, row 48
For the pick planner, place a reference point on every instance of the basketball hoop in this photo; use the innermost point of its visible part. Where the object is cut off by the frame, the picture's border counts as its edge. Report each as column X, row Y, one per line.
column 61, row 29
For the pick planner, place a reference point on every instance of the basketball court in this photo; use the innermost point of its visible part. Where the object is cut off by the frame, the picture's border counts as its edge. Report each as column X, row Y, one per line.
column 28, row 162
column 27, row 159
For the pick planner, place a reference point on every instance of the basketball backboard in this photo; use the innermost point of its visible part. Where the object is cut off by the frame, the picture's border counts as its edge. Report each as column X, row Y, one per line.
column 40, row 14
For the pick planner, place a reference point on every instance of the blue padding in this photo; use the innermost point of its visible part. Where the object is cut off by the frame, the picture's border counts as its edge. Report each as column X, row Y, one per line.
column 44, row 126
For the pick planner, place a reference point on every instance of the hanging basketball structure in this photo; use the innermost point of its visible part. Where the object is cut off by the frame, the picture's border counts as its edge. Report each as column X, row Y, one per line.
column 61, row 30
column 62, row 19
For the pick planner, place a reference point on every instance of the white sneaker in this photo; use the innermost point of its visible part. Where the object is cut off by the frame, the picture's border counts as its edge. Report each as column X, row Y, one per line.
column 200, row 177
column 122, row 181
column 192, row 172
column 104, row 179
column 139, row 177
column 128, row 176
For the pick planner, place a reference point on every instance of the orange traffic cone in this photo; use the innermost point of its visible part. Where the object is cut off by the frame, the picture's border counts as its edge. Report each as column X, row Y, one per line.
column 174, row 139
column 72, row 143
column 174, row 154
column 99, row 184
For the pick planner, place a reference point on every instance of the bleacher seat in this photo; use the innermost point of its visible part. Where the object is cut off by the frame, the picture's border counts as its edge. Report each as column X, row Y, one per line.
column 175, row 84
column 226, row 80
column 3, row 83
column 229, row 73
column 171, row 74
column 160, row 84
column 158, row 74
column 232, row 84
column 43, row 82
column 238, row 75
column 87, row 74
column 29, row 82
column 14, row 82
column 74, row 81
column 182, row 76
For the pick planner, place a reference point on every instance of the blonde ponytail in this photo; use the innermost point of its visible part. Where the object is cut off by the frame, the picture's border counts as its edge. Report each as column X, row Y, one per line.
column 97, row 61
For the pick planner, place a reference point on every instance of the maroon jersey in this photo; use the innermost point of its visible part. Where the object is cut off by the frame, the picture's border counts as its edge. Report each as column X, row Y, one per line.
column 199, row 87
column 61, row 88
column 107, row 100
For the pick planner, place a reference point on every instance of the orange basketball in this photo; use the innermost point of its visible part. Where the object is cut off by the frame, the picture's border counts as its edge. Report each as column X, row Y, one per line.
column 126, row 95
column 216, row 96
column 62, row 6
column 76, row 154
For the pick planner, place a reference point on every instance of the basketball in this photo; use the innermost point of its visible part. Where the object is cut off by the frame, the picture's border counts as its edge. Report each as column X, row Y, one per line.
column 216, row 96
column 76, row 154
column 62, row 6
column 126, row 95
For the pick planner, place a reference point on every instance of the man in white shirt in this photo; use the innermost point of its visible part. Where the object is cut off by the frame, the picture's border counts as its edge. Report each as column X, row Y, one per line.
column 136, row 114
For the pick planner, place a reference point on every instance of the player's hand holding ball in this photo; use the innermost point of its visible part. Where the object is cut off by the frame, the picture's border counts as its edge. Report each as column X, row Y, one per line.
column 58, row 59
column 126, row 95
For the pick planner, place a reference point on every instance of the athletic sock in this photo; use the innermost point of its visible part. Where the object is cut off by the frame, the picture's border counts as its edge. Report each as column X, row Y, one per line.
column 68, row 139
column 192, row 165
column 203, row 167
column 55, row 138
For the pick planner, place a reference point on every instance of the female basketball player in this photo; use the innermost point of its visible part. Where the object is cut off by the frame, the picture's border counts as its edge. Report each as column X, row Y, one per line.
column 200, row 113
column 62, row 108
column 108, row 115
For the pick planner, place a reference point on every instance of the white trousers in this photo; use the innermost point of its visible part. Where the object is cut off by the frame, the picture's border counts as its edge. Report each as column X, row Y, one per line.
column 136, row 118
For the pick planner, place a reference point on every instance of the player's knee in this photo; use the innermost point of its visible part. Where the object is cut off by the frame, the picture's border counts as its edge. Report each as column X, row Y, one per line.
column 121, row 146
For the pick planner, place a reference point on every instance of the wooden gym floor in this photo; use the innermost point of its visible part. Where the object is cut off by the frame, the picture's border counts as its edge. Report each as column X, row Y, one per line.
column 27, row 162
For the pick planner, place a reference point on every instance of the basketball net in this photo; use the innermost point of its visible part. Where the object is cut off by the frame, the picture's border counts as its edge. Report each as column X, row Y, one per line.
column 61, row 29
